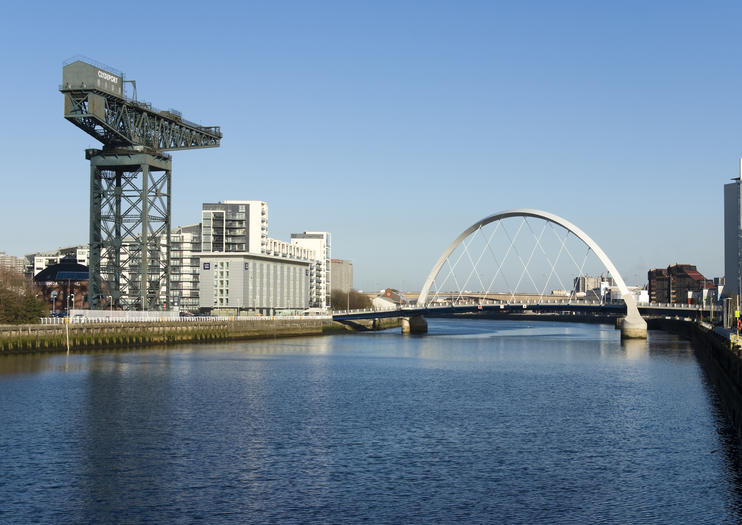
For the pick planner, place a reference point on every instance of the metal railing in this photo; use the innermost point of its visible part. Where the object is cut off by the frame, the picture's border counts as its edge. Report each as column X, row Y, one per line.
column 186, row 319
column 525, row 303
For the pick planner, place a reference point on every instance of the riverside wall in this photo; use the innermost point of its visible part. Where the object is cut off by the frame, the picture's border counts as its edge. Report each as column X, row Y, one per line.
column 88, row 336
column 18, row 339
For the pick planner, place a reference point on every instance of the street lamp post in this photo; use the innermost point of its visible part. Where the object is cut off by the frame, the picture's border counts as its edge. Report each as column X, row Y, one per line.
column 70, row 300
column 110, row 303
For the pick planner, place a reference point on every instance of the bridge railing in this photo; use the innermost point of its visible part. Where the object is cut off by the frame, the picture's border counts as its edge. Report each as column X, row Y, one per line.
column 189, row 319
column 454, row 304
column 525, row 303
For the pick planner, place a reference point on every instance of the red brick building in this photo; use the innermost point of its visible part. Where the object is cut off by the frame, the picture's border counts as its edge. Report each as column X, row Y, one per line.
column 70, row 282
column 672, row 284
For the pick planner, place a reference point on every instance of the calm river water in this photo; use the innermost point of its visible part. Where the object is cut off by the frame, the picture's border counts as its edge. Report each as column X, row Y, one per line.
column 479, row 421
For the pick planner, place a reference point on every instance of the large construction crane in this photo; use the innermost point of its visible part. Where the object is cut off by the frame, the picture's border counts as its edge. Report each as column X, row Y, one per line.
column 130, row 184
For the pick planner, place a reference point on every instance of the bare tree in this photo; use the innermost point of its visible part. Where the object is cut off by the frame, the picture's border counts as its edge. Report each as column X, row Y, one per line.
column 354, row 300
column 20, row 300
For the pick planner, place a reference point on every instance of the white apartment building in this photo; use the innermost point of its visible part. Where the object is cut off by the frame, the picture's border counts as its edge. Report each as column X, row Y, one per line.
column 234, row 226
column 185, row 245
column 320, row 244
column 243, row 269
column 257, row 284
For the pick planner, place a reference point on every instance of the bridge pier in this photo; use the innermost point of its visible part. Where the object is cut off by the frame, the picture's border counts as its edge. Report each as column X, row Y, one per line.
column 633, row 327
column 414, row 325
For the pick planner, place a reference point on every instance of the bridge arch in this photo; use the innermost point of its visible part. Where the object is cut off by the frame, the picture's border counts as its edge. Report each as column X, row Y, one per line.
column 633, row 326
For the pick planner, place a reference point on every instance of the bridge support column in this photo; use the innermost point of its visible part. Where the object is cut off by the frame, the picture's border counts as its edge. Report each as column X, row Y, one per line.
column 414, row 325
column 633, row 327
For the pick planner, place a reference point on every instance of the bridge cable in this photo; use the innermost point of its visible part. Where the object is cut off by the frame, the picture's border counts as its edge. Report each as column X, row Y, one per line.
column 474, row 269
column 525, row 267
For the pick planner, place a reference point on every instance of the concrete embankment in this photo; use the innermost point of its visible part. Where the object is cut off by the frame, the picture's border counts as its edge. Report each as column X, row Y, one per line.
column 364, row 325
column 720, row 360
column 15, row 339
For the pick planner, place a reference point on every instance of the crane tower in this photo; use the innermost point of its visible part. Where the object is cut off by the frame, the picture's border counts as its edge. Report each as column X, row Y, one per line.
column 130, row 183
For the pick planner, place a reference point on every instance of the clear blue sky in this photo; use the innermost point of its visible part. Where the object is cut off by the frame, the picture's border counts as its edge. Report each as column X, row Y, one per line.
column 395, row 125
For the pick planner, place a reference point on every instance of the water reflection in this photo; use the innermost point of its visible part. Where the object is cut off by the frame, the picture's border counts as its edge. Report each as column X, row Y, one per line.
column 636, row 349
column 551, row 423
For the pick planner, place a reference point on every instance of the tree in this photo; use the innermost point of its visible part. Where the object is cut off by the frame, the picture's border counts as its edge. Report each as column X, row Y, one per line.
column 20, row 300
column 354, row 300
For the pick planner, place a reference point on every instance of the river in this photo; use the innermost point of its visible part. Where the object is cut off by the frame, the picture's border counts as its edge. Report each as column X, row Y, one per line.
column 478, row 421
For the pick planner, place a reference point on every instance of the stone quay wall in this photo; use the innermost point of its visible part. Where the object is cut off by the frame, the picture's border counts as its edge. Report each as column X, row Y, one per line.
column 23, row 339
column 85, row 336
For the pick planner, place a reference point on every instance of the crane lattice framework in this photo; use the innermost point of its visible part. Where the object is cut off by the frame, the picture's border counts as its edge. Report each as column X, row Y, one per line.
column 130, row 183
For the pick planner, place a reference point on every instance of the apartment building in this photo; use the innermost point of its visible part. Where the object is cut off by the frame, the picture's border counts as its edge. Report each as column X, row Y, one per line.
column 185, row 245
column 320, row 274
column 242, row 269
column 11, row 262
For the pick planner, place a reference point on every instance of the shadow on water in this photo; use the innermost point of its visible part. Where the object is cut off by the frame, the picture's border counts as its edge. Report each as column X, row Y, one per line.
column 730, row 444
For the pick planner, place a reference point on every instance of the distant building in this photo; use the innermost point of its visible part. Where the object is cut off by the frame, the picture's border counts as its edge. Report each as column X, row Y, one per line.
column 256, row 284
column 342, row 275
column 389, row 299
column 659, row 285
column 321, row 277
column 234, row 226
column 641, row 295
column 10, row 262
column 241, row 268
column 587, row 283
column 676, row 284
column 35, row 262
column 733, row 237
column 593, row 288
column 64, row 284
column 185, row 245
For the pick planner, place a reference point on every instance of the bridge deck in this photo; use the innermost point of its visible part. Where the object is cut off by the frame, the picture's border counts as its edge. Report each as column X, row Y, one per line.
column 551, row 307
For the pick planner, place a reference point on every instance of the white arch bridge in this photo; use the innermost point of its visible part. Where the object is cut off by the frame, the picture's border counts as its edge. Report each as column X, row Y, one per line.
column 523, row 261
